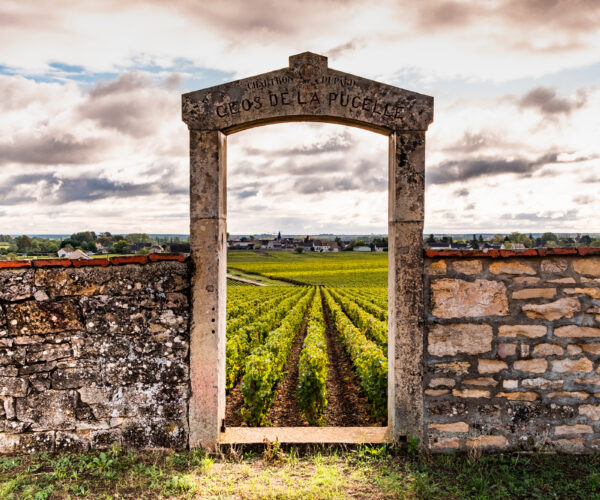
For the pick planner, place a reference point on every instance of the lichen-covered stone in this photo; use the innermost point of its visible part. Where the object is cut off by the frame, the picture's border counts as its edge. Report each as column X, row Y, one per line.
column 590, row 411
column 16, row 284
column 531, row 365
column 437, row 268
column 467, row 266
column 490, row 366
column 13, row 386
column 511, row 267
column 529, row 331
column 448, row 340
column 561, row 308
column 32, row 317
column 554, row 266
column 589, row 266
column 562, row 430
column 575, row 331
column 487, row 442
column 48, row 410
column 534, row 293
column 453, row 298
column 547, row 350
column 572, row 365
column 594, row 293
column 451, row 427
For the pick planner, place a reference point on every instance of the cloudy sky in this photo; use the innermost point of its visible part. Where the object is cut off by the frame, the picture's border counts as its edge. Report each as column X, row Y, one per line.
column 91, row 134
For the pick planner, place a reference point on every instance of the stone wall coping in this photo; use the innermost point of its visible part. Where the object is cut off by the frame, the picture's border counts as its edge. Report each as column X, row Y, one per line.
column 528, row 252
column 111, row 261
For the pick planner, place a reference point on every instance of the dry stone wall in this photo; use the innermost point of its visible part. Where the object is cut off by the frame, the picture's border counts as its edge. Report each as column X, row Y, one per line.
column 91, row 356
column 512, row 356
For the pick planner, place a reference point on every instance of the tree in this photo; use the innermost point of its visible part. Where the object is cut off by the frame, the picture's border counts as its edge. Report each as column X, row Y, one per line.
column 257, row 246
column 298, row 249
column 23, row 243
column 474, row 242
column 142, row 251
column 138, row 238
column 549, row 237
column 431, row 239
column 121, row 246
column 498, row 239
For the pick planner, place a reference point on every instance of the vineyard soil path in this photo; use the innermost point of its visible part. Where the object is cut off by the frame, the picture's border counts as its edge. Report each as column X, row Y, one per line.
column 346, row 405
column 285, row 411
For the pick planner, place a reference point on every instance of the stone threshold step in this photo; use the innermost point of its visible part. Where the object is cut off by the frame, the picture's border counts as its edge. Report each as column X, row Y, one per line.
column 355, row 435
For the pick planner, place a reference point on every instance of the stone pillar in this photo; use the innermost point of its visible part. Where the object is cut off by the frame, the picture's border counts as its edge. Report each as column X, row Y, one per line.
column 405, row 285
column 208, row 244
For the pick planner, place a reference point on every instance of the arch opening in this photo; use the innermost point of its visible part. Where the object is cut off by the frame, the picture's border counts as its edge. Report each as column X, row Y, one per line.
column 308, row 89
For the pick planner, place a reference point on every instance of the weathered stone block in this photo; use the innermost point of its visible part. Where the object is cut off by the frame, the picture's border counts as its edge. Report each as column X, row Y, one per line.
column 8, row 442
column 554, row 266
column 531, row 365
column 48, row 410
column 572, row 365
column 518, row 396
column 490, row 366
column 437, row 268
column 12, row 386
column 71, row 442
column 574, row 349
column 562, row 430
column 16, row 284
column 590, row 411
column 534, row 293
column 510, row 384
column 471, row 393
column 562, row 280
column 444, row 443
column 448, row 340
column 436, row 392
column 74, row 378
column 487, row 442
column 589, row 266
column 594, row 293
column 547, row 350
column 44, row 353
column 577, row 395
column 541, row 383
column 467, row 266
column 506, row 350
column 575, row 331
column 31, row 317
column 452, row 427
column 592, row 348
column 481, row 381
column 511, row 267
column 569, row 445
column 529, row 331
column 453, row 298
column 456, row 367
column 442, row 382
column 561, row 308
column 525, row 280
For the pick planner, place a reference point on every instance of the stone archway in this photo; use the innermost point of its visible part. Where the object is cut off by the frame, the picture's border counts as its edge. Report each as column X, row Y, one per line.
column 305, row 91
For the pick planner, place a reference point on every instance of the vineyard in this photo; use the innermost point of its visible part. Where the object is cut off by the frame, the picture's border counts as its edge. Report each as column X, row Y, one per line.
column 314, row 353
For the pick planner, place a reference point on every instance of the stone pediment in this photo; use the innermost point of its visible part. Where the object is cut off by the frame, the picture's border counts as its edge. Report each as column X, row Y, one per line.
column 308, row 90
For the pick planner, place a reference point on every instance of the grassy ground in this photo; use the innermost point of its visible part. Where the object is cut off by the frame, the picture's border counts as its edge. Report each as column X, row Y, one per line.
column 364, row 472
